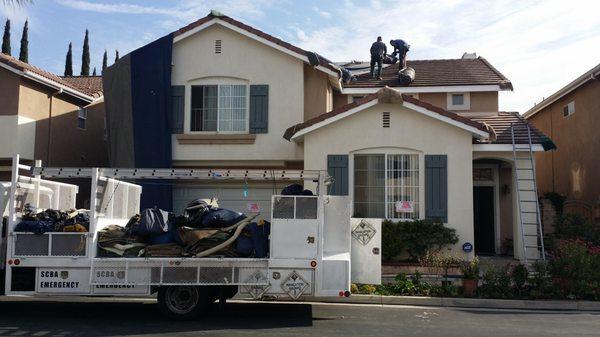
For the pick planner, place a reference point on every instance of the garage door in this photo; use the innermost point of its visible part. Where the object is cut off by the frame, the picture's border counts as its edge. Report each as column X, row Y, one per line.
column 229, row 197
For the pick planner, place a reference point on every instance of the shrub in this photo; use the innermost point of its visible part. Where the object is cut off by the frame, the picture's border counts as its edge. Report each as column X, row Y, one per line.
column 367, row 289
column 540, row 281
column 519, row 275
column 415, row 238
column 470, row 269
column 575, row 226
column 557, row 200
column 575, row 269
column 354, row 288
column 496, row 283
column 441, row 262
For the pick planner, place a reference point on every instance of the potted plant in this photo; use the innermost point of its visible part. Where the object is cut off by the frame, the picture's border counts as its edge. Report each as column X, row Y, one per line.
column 470, row 279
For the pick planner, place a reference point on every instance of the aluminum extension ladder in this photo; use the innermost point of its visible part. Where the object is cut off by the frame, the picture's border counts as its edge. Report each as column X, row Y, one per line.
column 532, row 236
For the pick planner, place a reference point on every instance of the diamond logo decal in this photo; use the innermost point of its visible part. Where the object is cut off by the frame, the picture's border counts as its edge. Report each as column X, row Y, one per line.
column 261, row 286
column 294, row 285
column 363, row 232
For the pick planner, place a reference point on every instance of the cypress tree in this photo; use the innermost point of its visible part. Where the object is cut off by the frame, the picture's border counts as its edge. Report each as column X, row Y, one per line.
column 104, row 60
column 85, row 56
column 116, row 55
column 94, row 72
column 24, row 51
column 6, row 38
column 69, row 62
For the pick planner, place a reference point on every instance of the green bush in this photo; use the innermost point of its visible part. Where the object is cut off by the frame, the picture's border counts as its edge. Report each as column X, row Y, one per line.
column 575, row 226
column 519, row 276
column 496, row 283
column 540, row 282
column 575, row 269
column 415, row 238
column 470, row 269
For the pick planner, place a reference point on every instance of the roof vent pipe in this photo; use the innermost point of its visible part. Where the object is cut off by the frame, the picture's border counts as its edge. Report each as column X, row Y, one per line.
column 469, row 56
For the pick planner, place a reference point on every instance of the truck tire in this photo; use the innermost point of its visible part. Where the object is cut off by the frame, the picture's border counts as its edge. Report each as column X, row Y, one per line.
column 182, row 302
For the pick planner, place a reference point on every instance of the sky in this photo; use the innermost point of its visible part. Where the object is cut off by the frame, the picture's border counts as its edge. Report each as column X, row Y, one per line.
column 539, row 45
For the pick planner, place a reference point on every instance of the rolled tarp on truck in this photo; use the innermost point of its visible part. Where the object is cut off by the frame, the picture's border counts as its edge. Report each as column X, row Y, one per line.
column 137, row 96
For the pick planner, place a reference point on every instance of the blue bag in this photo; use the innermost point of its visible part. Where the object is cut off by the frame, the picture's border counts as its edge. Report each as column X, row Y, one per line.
column 221, row 217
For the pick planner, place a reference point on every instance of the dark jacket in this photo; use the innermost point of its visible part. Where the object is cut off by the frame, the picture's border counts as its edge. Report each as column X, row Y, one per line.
column 400, row 44
column 378, row 49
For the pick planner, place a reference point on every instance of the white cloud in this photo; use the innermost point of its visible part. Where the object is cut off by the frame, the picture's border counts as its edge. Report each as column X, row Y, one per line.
column 540, row 46
column 322, row 13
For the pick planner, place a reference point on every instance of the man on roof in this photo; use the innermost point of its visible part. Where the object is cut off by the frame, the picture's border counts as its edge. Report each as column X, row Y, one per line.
column 378, row 52
column 400, row 49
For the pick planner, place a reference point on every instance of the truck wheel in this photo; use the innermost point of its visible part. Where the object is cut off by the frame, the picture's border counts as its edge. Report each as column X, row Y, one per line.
column 182, row 302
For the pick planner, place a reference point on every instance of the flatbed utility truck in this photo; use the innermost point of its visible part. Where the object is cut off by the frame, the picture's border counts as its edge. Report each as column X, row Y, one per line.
column 316, row 248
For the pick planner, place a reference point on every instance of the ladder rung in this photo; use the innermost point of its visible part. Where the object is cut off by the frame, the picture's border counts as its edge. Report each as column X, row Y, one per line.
column 526, row 190
column 530, row 223
column 524, row 169
column 529, row 212
column 525, row 179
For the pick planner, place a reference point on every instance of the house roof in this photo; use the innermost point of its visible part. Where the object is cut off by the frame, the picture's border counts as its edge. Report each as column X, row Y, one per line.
column 42, row 76
column 450, row 72
column 91, row 85
column 364, row 103
column 213, row 15
column 501, row 123
column 589, row 75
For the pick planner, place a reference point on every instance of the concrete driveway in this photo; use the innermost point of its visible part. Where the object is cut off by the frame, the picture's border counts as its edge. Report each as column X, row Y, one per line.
column 107, row 317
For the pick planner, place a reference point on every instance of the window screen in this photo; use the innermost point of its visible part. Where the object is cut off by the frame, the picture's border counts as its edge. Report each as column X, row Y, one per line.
column 458, row 99
column 219, row 108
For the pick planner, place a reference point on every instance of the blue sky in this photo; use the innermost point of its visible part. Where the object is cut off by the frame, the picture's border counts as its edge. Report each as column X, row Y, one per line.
column 539, row 45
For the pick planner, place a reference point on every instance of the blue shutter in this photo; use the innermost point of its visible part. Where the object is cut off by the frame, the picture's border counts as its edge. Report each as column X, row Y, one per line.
column 259, row 108
column 178, row 101
column 337, row 167
column 436, row 187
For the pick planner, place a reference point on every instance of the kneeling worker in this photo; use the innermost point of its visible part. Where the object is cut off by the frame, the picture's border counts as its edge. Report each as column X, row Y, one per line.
column 400, row 48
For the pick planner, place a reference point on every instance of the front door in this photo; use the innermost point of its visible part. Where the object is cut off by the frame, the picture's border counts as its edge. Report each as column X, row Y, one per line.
column 483, row 204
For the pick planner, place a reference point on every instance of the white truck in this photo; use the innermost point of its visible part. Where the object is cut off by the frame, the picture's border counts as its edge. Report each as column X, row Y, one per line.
column 316, row 248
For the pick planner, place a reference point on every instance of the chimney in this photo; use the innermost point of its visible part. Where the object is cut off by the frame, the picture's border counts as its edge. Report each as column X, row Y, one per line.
column 469, row 56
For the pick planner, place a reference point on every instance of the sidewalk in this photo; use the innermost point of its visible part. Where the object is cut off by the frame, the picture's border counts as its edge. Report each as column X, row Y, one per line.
column 464, row 302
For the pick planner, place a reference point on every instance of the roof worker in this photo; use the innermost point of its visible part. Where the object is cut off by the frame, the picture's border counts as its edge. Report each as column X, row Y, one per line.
column 400, row 49
column 378, row 51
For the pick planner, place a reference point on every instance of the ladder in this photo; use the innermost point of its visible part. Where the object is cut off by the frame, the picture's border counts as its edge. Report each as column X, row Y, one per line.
column 532, row 236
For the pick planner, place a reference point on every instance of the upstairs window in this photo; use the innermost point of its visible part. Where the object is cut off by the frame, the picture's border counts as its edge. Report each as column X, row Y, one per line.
column 569, row 109
column 81, row 118
column 458, row 101
column 219, row 108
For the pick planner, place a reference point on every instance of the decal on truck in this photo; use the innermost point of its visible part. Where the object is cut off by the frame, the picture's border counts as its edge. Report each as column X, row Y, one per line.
column 55, row 280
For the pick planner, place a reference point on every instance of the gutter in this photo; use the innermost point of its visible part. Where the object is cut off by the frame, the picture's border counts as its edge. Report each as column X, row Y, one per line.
column 41, row 79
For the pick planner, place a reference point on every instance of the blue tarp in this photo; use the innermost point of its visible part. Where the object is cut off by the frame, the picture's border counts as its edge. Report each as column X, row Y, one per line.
column 152, row 117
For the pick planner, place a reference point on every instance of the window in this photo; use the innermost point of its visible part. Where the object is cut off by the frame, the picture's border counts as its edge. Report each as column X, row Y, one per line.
column 414, row 95
column 569, row 109
column 458, row 101
column 384, row 181
column 81, row 118
column 356, row 98
column 219, row 108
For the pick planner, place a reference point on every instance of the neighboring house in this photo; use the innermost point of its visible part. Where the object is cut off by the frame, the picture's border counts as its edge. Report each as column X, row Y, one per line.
column 571, row 117
column 57, row 120
column 438, row 146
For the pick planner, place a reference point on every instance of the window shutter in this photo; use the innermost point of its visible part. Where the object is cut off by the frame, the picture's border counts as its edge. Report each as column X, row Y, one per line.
column 259, row 108
column 337, row 167
column 178, row 101
column 436, row 187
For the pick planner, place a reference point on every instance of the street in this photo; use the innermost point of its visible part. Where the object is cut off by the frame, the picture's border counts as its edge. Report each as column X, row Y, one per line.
column 140, row 318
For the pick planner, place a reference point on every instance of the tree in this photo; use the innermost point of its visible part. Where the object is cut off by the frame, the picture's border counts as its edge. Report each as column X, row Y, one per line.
column 24, row 51
column 85, row 56
column 116, row 55
column 104, row 61
column 6, row 38
column 94, row 72
column 69, row 61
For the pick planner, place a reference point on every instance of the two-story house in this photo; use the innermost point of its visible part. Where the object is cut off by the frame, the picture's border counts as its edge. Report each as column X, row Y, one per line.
column 241, row 98
column 58, row 120
column 570, row 117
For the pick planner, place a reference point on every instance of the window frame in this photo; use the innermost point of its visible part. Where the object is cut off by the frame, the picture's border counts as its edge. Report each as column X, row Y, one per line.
column 466, row 101
column 570, row 109
column 387, row 151
column 82, row 116
column 217, row 82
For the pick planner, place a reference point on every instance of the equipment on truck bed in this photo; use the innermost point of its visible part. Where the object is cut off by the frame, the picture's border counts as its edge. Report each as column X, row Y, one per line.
column 303, row 251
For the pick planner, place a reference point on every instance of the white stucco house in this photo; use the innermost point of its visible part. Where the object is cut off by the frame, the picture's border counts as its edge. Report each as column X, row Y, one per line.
column 439, row 146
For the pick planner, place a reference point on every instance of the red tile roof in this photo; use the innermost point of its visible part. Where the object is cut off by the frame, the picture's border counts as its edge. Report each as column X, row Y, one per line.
column 91, row 85
column 438, row 73
column 322, row 60
column 291, row 131
column 22, row 66
column 501, row 125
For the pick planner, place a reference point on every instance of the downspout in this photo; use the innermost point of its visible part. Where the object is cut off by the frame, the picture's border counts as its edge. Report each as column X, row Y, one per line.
column 52, row 95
